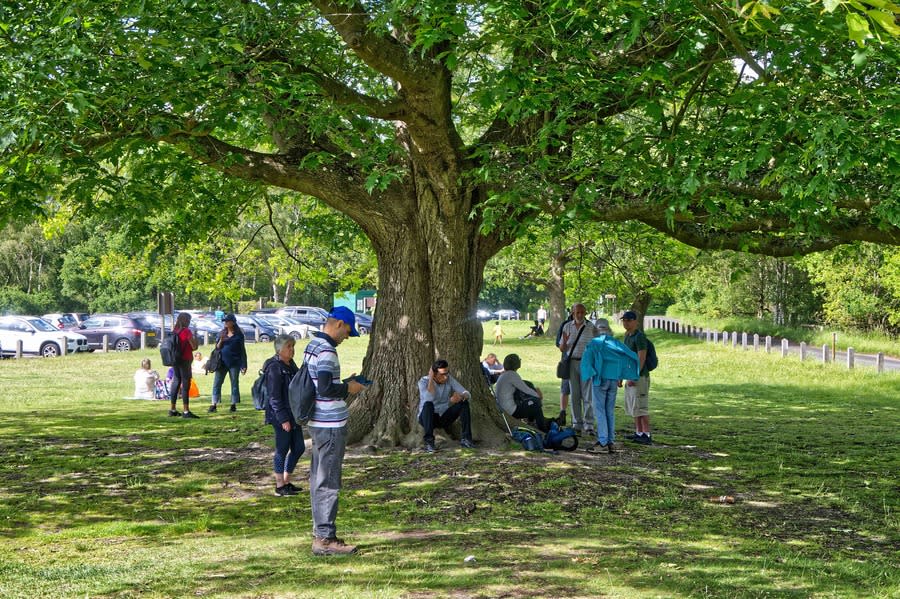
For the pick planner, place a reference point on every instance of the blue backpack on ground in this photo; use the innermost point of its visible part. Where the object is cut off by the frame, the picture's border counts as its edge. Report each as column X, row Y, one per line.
column 564, row 439
column 529, row 438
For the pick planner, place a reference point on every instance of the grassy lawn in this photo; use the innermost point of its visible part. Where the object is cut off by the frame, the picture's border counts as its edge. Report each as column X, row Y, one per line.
column 102, row 496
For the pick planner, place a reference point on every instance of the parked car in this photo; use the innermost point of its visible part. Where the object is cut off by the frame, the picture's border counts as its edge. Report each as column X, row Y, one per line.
column 505, row 314
column 63, row 322
column 364, row 323
column 286, row 325
column 37, row 336
column 202, row 326
column 122, row 330
column 256, row 329
column 483, row 315
column 311, row 315
column 79, row 316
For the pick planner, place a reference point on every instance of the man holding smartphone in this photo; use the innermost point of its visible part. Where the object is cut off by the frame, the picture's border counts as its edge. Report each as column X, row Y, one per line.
column 441, row 401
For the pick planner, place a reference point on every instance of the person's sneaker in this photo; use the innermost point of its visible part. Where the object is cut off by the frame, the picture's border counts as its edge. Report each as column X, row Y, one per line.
column 643, row 440
column 286, row 490
column 212, row 408
column 429, row 448
column 332, row 546
column 631, row 436
column 174, row 413
column 466, row 443
column 598, row 446
column 189, row 414
column 611, row 448
column 576, row 428
column 233, row 408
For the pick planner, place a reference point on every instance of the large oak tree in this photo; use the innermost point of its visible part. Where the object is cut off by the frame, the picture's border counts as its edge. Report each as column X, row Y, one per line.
column 441, row 127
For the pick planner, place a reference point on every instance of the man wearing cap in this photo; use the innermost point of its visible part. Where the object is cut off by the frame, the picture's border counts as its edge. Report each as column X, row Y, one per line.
column 441, row 401
column 606, row 362
column 637, row 393
column 327, row 428
column 575, row 337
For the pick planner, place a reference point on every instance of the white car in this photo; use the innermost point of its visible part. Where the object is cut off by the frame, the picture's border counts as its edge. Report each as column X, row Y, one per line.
column 37, row 336
column 286, row 325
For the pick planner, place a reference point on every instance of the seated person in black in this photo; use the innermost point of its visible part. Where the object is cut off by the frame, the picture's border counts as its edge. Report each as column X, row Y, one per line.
column 518, row 398
column 536, row 331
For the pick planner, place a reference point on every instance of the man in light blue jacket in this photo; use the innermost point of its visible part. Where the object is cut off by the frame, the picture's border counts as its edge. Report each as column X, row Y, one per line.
column 605, row 363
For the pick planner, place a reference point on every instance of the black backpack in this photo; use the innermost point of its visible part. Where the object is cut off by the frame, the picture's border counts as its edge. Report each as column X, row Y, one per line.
column 651, row 361
column 258, row 390
column 302, row 395
column 170, row 349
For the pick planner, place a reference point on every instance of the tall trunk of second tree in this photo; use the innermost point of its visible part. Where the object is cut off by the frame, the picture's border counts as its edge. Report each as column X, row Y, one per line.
column 640, row 305
column 430, row 269
column 556, row 288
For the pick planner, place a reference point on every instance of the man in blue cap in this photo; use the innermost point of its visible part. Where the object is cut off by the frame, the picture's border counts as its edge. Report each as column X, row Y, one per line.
column 327, row 428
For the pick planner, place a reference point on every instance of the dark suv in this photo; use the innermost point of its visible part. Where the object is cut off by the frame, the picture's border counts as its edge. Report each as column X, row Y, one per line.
column 123, row 332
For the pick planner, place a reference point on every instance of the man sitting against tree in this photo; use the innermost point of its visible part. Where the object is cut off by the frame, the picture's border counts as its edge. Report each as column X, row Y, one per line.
column 441, row 401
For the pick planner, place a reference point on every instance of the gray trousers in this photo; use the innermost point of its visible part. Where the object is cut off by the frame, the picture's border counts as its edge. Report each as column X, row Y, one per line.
column 325, row 477
column 580, row 398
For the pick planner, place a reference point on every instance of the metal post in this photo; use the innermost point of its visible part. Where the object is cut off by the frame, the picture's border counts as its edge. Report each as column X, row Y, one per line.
column 744, row 341
column 143, row 339
column 825, row 354
column 768, row 344
column 879, row 362
column 65, row 347
column 755, row 341
column 18, row 348
column 802, row 351
column 784, row 348
column 851, row 357
column 105, row 347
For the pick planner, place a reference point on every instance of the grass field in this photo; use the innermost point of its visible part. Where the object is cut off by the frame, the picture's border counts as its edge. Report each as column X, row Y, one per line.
column 106, row 497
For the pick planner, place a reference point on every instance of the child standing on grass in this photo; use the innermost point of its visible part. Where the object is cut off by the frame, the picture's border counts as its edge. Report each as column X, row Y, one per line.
column 498, row 334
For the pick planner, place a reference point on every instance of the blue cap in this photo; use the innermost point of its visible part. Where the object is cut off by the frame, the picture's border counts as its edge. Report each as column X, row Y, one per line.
column 344, row 314
column 629, row 315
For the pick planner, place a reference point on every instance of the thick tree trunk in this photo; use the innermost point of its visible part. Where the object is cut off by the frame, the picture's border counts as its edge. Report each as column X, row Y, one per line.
column 430, row 273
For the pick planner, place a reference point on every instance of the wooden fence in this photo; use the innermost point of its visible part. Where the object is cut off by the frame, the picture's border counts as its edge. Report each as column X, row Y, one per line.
column 747, row 341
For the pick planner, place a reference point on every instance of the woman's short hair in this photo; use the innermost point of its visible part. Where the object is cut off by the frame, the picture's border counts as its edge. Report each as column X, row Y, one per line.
column 512, row 362
column 145, row 363
column 282, row 340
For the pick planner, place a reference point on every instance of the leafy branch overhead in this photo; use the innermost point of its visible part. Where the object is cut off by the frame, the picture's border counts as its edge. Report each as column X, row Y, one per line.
column 753, row 127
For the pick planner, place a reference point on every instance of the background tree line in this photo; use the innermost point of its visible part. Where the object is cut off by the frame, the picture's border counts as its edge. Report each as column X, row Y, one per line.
column 96, row 266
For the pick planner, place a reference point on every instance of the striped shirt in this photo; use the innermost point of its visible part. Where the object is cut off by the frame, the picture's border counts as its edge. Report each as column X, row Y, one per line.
column 320, row 355
column 572, row 329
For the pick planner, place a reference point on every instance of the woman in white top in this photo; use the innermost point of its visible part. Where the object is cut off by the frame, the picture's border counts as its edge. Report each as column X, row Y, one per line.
column 145, row 381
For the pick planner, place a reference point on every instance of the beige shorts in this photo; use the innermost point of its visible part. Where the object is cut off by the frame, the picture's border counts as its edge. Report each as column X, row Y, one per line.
column 637, row 398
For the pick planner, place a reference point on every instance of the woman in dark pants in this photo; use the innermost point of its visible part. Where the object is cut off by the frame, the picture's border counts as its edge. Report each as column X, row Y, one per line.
column 233, row 361
column 182, row 367
column 289, row 443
